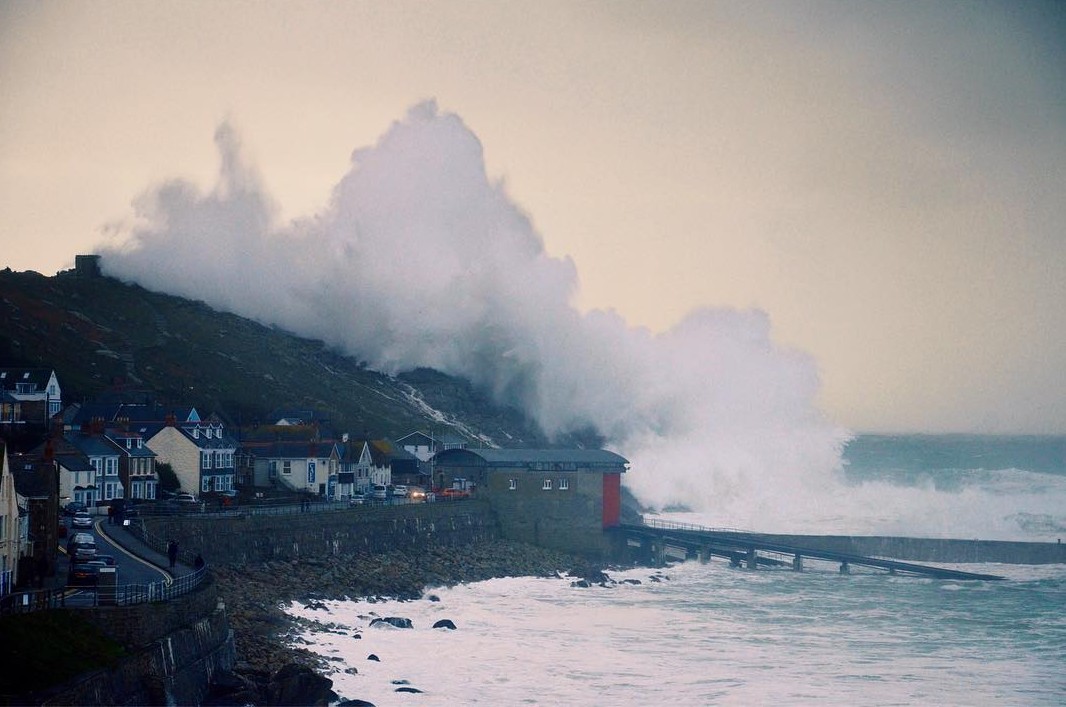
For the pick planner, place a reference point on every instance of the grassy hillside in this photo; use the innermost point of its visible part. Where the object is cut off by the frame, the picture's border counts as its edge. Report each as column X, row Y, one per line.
column 99, row 334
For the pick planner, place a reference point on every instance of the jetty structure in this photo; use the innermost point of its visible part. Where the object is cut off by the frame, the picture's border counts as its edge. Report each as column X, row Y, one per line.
column 659, row 540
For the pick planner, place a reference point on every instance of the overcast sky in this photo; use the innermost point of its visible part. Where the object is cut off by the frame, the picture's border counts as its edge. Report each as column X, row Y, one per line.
column 887, row 181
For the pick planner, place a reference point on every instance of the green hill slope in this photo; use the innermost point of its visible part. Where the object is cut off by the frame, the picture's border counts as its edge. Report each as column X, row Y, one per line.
column 99, row 334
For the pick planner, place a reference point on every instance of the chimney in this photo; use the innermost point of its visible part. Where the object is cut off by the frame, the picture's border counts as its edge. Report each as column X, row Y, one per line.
column 171, row 421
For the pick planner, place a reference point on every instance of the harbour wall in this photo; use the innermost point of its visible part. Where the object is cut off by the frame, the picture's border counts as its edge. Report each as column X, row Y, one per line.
column 931, row 549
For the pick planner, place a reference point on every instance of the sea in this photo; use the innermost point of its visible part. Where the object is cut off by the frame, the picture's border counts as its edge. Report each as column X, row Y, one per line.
column 709, row 634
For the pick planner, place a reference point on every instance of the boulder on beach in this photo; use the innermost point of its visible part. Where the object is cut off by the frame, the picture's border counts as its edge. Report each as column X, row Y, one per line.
column 396, row 621
column 373, row 658
column 298, row 684
column 445, row 623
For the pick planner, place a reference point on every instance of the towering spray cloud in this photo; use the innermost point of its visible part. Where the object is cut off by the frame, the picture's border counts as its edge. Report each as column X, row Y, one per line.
column 421, row 260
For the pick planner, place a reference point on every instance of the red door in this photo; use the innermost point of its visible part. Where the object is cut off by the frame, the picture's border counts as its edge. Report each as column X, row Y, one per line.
column 612, row 499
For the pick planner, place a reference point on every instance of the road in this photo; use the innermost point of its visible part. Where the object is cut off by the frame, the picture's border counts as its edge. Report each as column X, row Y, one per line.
column 130, row 569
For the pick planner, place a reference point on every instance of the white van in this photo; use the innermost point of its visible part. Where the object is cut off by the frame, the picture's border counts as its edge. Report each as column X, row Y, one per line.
column 380, row 492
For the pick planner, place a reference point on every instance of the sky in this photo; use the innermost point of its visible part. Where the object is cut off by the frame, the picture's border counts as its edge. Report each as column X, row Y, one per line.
column 884, row 184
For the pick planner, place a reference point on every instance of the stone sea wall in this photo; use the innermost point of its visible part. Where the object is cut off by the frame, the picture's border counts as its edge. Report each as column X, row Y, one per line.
column 242, row 539
column 177, row 648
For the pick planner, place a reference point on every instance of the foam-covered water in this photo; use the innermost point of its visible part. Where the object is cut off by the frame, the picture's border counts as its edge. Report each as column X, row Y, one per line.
column 710, row 634
column 942, row 486
column 713, row 635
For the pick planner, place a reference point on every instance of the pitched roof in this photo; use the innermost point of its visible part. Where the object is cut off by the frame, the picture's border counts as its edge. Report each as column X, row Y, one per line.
column 10, row 376
column 298, row 450
column 525, row 457
column 93, row 446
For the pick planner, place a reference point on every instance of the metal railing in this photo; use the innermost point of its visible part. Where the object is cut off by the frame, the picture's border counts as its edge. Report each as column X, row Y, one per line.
column 677, row 525
column 283, row 506
column 100, row 595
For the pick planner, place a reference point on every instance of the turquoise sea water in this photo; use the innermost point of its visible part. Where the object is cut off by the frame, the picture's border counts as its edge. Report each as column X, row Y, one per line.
column 711, row 634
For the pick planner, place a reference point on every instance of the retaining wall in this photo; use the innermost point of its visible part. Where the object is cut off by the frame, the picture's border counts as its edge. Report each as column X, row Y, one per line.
column 178, row 647
column 249, row 538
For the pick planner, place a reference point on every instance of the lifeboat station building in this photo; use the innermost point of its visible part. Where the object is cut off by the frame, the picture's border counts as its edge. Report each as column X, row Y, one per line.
column 562, row 498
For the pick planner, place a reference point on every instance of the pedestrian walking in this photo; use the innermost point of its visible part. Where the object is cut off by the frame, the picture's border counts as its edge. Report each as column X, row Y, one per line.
column 172, row 553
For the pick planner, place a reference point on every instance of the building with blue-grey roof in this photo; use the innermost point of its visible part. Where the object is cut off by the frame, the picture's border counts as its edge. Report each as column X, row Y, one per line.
column 561, row 498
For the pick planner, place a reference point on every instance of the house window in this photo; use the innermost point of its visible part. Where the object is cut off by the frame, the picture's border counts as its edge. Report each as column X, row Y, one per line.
column 205, row 484
column 111, row 466
column 129, row 443
column 564, row 484
column 205, row 460
column 513, row 484
column 547, row 485
column 286, row 467
column 140, row 443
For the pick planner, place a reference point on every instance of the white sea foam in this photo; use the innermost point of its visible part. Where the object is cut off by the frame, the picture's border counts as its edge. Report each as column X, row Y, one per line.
column 712, row 635
column 1008, row 505
column 420, row 259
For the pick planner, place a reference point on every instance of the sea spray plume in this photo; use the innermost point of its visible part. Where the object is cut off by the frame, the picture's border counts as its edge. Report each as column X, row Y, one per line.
column 421, row 260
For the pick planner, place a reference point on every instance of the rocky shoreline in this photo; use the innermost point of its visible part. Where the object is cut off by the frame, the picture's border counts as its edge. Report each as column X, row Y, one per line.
column 271, row 671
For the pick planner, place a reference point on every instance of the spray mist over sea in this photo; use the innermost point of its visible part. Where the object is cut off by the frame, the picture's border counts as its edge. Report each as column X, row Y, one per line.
column 420, row 259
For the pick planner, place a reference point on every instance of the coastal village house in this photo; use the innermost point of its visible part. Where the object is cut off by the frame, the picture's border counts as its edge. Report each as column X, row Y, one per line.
column 37, row 489
column 136, row 464
column 423, row 446
column 561, row 498
column 200, row 452
column 87, row 467
column 365, row 464
column 77, row 477
column 104, row 484
column 33, row 393
column 300, row 466
column 10, row 528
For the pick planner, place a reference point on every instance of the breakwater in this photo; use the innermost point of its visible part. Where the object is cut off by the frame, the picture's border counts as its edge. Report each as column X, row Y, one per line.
column 931, row 549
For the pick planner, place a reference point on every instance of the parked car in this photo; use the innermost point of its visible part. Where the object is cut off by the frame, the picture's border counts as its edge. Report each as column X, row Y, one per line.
column 453, row 494
column 416, row 494
column 399, row 490
column 380, row 492
column 74, row 507
column 185, row 498
column 81, row 546
column 82, row 520
column 84, row 572
column 357, row 499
